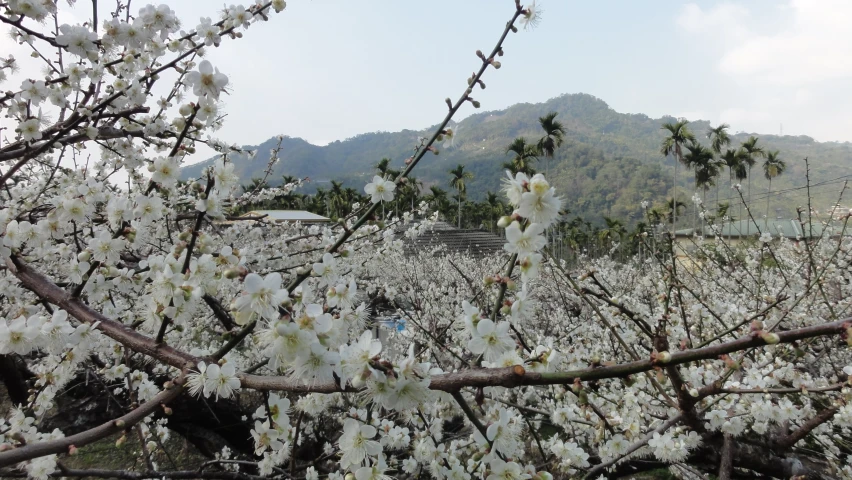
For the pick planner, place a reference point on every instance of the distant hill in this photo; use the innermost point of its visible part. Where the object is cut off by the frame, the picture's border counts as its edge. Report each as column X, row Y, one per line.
column 609, row 163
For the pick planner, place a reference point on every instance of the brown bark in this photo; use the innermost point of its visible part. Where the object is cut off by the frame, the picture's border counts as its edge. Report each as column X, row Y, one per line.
column 62, row 445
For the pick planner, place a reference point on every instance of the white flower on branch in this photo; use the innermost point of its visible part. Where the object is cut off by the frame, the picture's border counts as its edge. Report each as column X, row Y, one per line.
column 380, row 190
column 78, row 39
column 356, row 443
column 206, row 80
column 490, row 339
column 208, row 32
column 29, row 130
column 524, row 241
column 265, row 438
column 19, row 336
column 221, row 380
column 262, row 295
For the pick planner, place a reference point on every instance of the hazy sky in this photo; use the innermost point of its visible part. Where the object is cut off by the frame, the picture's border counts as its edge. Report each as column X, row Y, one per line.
column 326, row 70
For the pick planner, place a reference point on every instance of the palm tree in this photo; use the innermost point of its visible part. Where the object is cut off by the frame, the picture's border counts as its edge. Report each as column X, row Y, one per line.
column 752, row 153
column 703, row 161
column 383, row 166
column 678, row 135
column 525, row 155
column 457, row 181
column 614, row 231
column 411, row 189
column 719, row 137
column 554, row 135
column 674, row 207
column 772, row 167
column 494, row 203
column 438, row 196
column 336, row 198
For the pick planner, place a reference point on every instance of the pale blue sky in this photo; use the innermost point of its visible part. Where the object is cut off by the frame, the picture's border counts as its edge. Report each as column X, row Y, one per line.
column 326, row 70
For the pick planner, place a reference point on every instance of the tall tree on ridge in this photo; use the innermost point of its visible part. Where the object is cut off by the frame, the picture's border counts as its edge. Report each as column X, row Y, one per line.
column 457, row 181
column 525, row 155
column 719, row 137
column 678, row 135
column 752, row 153
column 554, row 136
column 772, row 167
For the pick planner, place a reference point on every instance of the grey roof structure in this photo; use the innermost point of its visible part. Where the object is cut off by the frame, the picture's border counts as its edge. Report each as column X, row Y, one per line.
column 288, row 216
column 788, row 228
column 477, row 243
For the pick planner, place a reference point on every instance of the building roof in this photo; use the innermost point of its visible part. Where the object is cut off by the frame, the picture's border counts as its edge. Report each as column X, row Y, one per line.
column 474, row 242
column 746, row 228
column 288, row 216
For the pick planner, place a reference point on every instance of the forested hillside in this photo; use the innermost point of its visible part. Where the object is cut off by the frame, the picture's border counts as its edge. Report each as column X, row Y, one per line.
column 609, row 163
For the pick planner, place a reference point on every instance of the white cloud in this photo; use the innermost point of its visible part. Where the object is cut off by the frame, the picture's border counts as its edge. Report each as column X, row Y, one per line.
column 810, row 40
column 725, row 22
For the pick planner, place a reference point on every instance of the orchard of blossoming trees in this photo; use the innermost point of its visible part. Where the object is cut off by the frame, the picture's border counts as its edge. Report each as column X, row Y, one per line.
column 135, row 313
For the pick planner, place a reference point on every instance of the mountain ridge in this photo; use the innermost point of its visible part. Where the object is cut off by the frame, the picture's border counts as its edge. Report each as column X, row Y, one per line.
column 609, row 164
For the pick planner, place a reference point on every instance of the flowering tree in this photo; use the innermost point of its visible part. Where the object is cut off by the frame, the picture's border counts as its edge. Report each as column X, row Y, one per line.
column 510, row 367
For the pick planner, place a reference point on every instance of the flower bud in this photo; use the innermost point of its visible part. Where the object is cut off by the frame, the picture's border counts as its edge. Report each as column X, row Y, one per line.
column 504, row 221
column 488, row 281
column 664, row 357
column 349, row 476
column 120, row 423
column 232, row 273
column 496, row 64
column 121, row 441
column 475, row 103
column 770, row 338
column 301, row 271
column 72, row 450
column 184, row 236
column 693, row 392
column 185, row 110
column 84, row 256
column 357, row 381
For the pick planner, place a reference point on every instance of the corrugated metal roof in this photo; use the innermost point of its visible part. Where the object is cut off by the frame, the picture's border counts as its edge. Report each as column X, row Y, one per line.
column 474, row 242
column 288, row 215
column 746, row 228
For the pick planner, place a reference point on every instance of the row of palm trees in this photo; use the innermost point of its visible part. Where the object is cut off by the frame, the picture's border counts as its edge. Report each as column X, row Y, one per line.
column 707, row 163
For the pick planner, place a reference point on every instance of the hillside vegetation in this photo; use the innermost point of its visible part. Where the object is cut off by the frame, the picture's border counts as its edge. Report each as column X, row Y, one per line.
column 610, row 161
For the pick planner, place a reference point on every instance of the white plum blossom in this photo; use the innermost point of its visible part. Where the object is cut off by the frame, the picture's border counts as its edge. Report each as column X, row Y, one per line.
column 30, row 130
column 207, row 80
column 357, row 443
column 78, row 39
column 524, row 241
column 490, row 339
column 221, row 380
column 262, row 296
column 380, row 190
